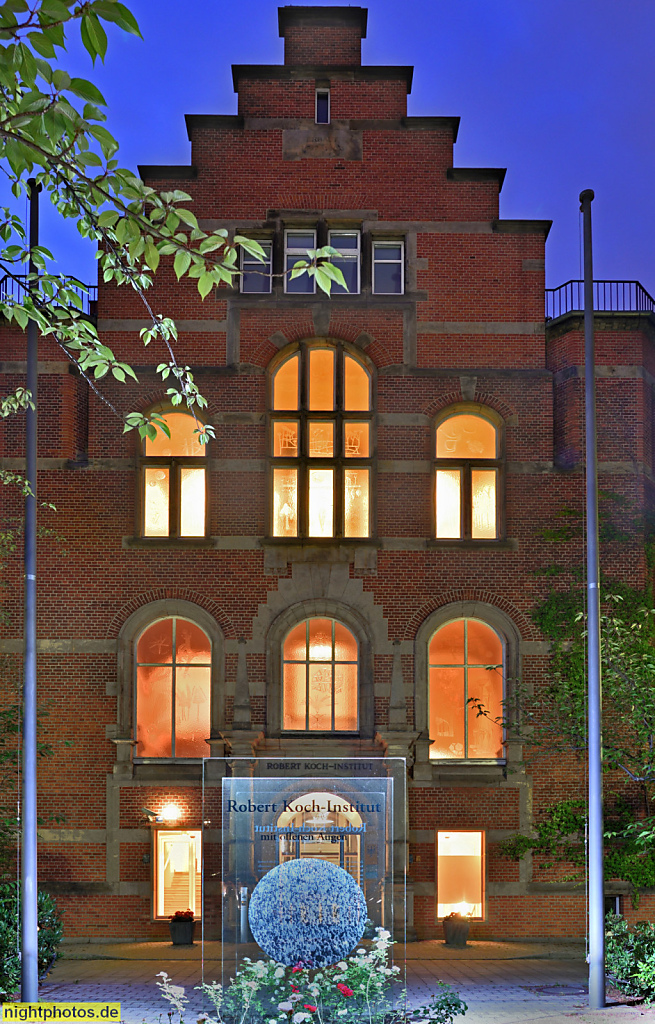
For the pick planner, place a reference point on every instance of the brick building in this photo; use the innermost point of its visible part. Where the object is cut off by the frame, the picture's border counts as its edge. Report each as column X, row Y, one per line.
column 337, row 572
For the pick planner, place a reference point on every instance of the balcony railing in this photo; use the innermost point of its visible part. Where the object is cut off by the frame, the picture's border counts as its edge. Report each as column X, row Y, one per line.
column 12, row 290
column 609, row 297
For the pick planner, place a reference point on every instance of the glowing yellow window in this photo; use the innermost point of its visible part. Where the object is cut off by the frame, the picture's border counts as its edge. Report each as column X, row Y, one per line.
column 466, row 480
column 465, row 659
column 323, row 490
column 460, row 874
column 177, row 872
column 174, row 481
column 319, row 684
column 173, row 685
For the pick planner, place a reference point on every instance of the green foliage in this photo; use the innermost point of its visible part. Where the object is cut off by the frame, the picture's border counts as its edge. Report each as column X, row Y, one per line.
column 49, row 936
column 357, row 988
column 558, row 837
column 630, row 956
column 52, row 130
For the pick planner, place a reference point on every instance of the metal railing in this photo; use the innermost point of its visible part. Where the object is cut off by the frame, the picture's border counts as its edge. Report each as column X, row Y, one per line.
column 12, row 289
column 609, row 297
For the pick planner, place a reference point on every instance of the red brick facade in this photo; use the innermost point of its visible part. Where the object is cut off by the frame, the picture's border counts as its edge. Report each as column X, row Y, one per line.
column 467, row 332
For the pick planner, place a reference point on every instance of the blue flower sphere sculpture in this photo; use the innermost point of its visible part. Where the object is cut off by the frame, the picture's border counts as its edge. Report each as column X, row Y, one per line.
column 307, row 910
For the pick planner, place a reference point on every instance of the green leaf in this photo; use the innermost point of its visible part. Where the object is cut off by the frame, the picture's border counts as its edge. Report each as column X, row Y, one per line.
column 186, row 216
column 41, row 44
column 61, row 79
column 152, row 256
column 119, row 14
column 86, row 91
column 108, row 218
column 182, row 263
column 118, row 373
column 205, row 284
column 107, row 141
column 94, row 37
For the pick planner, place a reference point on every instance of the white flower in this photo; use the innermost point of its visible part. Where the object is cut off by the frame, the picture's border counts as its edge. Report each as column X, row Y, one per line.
column 279, row 972
column 285, row 1007
column 176, row 990
column 342, row 965
column 273, row 1020
column 299, row 1017
column 314, row 989
column 341, row 1013
column 383, row 933
column 360, row 952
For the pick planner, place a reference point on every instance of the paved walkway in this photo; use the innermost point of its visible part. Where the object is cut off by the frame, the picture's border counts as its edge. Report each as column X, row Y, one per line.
column 502, row 982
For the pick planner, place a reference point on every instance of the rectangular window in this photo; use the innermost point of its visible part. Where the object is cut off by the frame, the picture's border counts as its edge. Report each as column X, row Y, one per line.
column 156, row 501
column 322, row 106
column 177, row 876
column 483, row 498
column 356, row 515
column 321, row 502
column 449, row 503
column 460, row 874
column 347, row 242
column 388, row 268
column 192, row 502
column 285, row 502
column 296, row 245
column 256, row 275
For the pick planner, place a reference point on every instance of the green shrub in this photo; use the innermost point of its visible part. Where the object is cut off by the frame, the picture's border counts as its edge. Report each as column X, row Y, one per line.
column 50, row 936
column 630, row 956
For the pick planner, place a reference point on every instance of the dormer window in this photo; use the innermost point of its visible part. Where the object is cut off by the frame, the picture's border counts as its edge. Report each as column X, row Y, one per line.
column 322, row 106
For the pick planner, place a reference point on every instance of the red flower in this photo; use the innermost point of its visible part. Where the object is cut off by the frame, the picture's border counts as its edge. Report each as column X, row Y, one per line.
column 294, row 988
column 345, row 991
column 308, row 1006
column 295, row 969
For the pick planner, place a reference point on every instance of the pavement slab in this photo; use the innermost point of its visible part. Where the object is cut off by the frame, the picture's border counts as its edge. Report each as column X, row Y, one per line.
column 502, row 982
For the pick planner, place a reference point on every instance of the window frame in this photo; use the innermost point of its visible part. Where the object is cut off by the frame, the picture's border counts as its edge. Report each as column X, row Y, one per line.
column 299, row 254
column 174, row 758
column 325, row 90
column 483, row 869
column 174, row 463
column 382, row 243
column 303, row 462
column 333, row 662
column 354, row 255
column 257, row 266
column 465, row 665
column 466, row 466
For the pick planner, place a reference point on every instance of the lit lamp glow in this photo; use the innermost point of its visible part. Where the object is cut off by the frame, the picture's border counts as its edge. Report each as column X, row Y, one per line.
column 170, row 812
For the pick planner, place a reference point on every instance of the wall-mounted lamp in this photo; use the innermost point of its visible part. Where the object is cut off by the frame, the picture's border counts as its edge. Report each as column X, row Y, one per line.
column 170, row 813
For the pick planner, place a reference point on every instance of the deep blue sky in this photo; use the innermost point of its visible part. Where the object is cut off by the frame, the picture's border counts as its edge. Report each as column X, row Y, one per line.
column 561, row 92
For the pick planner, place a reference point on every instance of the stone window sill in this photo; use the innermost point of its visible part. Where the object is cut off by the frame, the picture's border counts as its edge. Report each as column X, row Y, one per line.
column 508, row 544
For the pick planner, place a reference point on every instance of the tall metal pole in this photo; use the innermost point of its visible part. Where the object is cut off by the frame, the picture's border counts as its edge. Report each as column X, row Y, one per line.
column 596, row 900
column 29, row 924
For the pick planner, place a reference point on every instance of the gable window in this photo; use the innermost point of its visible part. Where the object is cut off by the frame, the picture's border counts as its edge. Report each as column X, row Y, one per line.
column 348, row 261
column 174, row 481
column 256, row 275
column 388, row 268
column 173, row 684
column 320, row 677
column 466, row 664
column 322, row 106
column 321, row 445
column 467, row 478
column 296, row 245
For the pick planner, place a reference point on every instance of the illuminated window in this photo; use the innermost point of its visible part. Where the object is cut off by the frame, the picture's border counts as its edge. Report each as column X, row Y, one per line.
column 177, row 872
column 467, row 479
column 460, row 874
column 174, row 481
column 319, row 678
column 465, row 660
column 173, row 683
column 321, row 445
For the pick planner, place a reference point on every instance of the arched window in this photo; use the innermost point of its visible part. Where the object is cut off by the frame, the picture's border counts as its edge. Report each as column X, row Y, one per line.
column 174, row 480
column 321, row 444
column 173, row 690
column 466, row 663
column 320, row 678
column 467, row 478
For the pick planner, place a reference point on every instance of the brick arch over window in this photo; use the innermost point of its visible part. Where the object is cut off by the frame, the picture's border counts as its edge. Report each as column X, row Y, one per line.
column 129, row 633
column 195, row 599
column 480, row 610
column 482, row 400
column 279, row 630
column 469, row 598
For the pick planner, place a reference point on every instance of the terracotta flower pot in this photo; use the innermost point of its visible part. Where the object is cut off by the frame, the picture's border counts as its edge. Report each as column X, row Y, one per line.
column 182, row 930
column 456, row 930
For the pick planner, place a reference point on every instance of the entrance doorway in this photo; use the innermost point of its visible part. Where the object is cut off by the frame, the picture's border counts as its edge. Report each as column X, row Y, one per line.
column 177, row 875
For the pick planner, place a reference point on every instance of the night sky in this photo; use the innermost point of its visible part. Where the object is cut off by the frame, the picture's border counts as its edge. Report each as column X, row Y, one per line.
column 561, row 92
